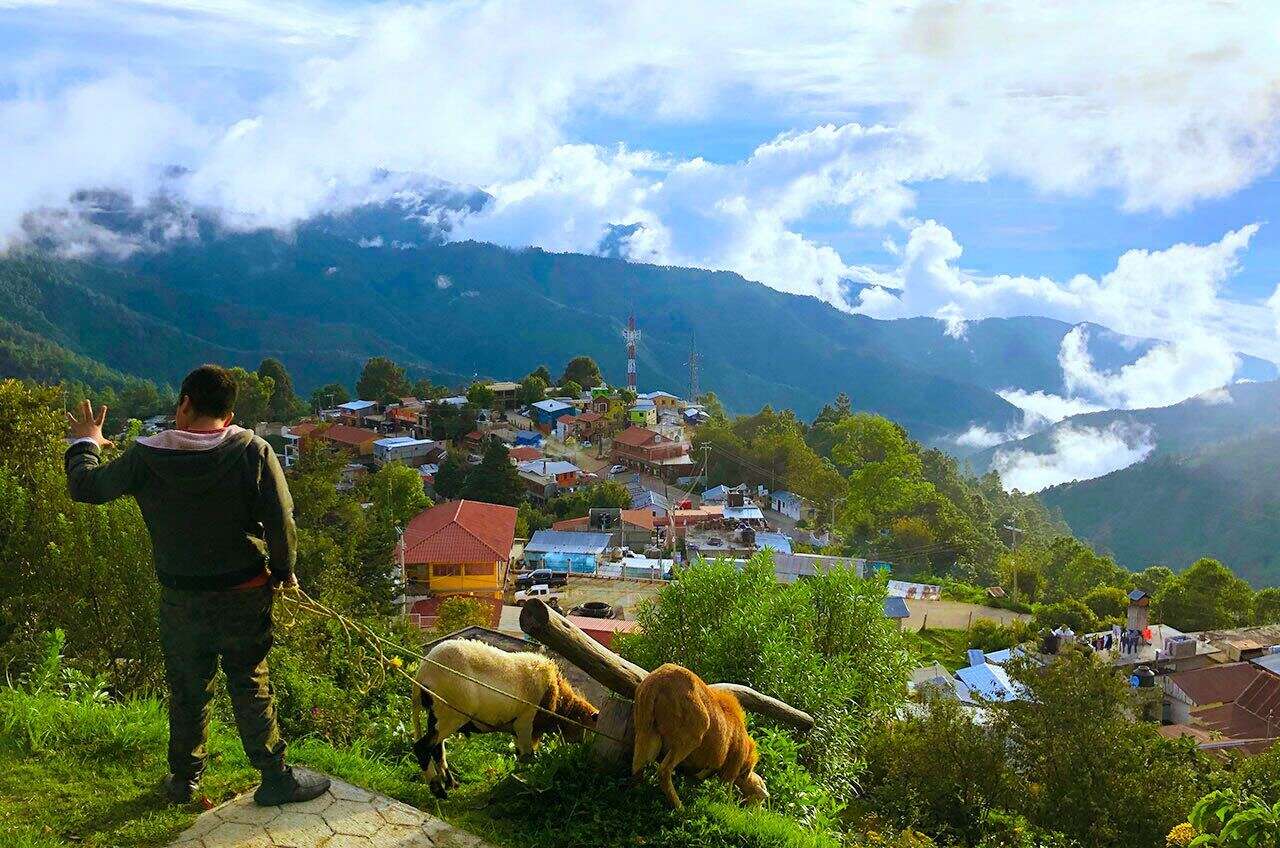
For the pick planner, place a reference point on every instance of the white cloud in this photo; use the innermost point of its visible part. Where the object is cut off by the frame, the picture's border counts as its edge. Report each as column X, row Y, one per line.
column 1043, row 408
column 1164, row 375
column 1220, row 396
column 308, row 100
column 1079, row 453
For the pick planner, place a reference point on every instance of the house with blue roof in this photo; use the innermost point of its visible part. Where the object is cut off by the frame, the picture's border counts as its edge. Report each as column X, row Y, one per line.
column 545, row 413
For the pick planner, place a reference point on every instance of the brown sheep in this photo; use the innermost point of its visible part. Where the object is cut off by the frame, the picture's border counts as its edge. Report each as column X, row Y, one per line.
column 702, row 730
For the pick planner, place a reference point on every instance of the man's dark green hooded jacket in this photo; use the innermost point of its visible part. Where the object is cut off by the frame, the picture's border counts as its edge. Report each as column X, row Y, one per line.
column 216, row 503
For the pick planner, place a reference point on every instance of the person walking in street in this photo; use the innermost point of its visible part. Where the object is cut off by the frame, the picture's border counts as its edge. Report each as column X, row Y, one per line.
column 218, row 510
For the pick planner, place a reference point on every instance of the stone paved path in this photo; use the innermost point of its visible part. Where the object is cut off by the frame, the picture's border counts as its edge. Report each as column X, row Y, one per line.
column 344, row 817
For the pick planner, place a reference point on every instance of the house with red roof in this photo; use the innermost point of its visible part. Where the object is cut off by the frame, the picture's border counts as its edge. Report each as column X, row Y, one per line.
column 459, row 547
column 650, row 451
column 356, row 441
column 523, row 453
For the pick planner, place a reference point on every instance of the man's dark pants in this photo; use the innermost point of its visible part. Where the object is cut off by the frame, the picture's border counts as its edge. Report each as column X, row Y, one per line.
column 196, row 629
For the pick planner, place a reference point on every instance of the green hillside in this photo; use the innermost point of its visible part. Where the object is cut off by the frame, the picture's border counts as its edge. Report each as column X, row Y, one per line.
column 1220, row 502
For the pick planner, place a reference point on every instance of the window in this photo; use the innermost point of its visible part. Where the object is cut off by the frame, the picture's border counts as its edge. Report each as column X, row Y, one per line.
column 480, row 569
column 446, row 570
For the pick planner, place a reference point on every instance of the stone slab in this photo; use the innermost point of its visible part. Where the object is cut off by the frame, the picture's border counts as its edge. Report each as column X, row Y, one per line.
column 344, row 817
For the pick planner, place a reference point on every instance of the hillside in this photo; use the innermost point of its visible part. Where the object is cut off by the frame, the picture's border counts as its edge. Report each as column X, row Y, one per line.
column 1220, row 501
column 1186, row 426
column 342, row 288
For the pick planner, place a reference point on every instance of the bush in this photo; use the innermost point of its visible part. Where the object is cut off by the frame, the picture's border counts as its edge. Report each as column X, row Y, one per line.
column 989, row 635
column 1107, row 602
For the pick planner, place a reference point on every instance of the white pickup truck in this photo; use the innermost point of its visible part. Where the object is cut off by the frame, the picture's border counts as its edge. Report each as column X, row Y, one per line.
column 542, row 592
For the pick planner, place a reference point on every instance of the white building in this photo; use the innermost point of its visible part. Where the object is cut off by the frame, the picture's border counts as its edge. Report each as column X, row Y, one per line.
column 403, row 448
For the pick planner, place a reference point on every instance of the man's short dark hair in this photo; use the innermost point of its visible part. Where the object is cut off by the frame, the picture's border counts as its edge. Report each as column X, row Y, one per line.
column 212, row 390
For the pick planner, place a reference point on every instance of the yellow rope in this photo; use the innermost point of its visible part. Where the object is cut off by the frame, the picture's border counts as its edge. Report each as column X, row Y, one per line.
column 301, row 600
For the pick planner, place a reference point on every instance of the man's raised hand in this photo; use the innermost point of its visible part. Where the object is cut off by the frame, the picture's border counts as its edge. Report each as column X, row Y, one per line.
column 86, row 425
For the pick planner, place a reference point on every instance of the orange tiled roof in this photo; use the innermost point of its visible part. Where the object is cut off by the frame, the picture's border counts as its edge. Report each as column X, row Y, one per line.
column 635, row 436
column 303, row 428
column 524, row 453
column 638, row 517
column 461, row 531
column 580, row 523
column 347, row 435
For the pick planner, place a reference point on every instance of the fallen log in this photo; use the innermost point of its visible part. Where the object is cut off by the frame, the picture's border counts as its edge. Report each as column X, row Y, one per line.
column 622, row 677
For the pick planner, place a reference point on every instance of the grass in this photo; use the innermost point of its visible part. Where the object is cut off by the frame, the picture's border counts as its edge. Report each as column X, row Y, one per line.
column 939, row 645
column 84, row 773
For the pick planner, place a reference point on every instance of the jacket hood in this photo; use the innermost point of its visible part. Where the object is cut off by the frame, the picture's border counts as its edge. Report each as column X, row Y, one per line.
column 195, row 461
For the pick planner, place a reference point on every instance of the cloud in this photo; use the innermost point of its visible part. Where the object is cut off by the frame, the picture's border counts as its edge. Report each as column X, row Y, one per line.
column 309, row 102
column 1164, row 375
column 1220, row 396
column 1044, row 408
column 1078, row 453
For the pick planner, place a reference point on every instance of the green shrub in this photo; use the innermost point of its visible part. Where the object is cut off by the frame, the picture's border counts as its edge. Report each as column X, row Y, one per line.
column 988, row 635
column 822, row 645
column 1072, row 613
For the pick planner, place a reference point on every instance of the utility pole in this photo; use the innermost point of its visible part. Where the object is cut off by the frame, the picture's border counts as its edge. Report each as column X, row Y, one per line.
column 1014, row 530
column 706, row 465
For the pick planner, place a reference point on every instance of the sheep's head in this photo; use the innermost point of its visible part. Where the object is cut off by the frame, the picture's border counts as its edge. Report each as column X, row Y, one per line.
column 753, row 789
column 575, row 712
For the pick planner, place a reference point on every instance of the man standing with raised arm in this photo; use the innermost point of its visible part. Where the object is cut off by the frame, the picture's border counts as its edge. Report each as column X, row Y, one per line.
column 216, row 504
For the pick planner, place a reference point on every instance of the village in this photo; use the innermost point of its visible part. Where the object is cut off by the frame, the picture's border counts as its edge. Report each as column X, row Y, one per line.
column 1219, row 688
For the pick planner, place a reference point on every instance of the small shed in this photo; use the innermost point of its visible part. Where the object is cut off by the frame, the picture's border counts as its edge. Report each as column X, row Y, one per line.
column 896, row 609
column 565, row 550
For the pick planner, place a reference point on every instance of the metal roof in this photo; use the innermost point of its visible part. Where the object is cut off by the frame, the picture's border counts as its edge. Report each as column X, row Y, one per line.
column 357, row 405
column 743, row 513
column 567, row 542
column 549, row 467
column 773, row 542
column 989, row 681
column 1269, row 662
column 552, row 406
column 401, row 441
column 896, row 608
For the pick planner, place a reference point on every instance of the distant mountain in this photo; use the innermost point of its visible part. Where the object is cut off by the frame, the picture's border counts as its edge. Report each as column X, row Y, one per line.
column 158, row 287
column 1199, row 421
column 1219, row 501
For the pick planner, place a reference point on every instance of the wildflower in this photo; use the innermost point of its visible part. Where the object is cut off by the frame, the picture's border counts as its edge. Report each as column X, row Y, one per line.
column 1181, row 835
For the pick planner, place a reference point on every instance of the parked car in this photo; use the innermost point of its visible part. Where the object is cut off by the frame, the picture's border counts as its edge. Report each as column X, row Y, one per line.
column 593, row 609
column 541, row 575
column 542, row 592
column 618, row 469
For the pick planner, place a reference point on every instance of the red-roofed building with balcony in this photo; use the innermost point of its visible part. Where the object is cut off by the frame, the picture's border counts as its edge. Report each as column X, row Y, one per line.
column 649, row 450
column 459, row 547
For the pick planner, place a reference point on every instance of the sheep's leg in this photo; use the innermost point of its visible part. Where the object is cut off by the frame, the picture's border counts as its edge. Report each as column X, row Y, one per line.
column 448, row 722
column 677, row 751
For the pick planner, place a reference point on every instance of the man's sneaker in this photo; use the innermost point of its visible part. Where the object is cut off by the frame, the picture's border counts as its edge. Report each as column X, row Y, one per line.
column 179, row 790
column 289, row 787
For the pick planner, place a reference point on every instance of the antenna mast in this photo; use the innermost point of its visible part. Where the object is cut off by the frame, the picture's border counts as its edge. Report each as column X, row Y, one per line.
column 694, row 389
column 631, row 335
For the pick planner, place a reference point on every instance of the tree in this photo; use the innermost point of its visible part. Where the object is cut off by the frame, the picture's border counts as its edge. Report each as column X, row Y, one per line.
column 253, row 396
column 284, row 402
column 570, row 389
column 422, row 389
column 1107, row 602
column 329, row 396
column 495, row 479
column 583, row 371
column 1204, row 597
column 1071, row 613
column 712, row 405
column 542, row 373
column 451, row 477
column 382, row 381
column 461, row 611
column 1153, row 579
column 480, row 395
column 1266, row 606
column 532, row 389
column 84, row 569
column 1086, row 763
column 396, row 494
